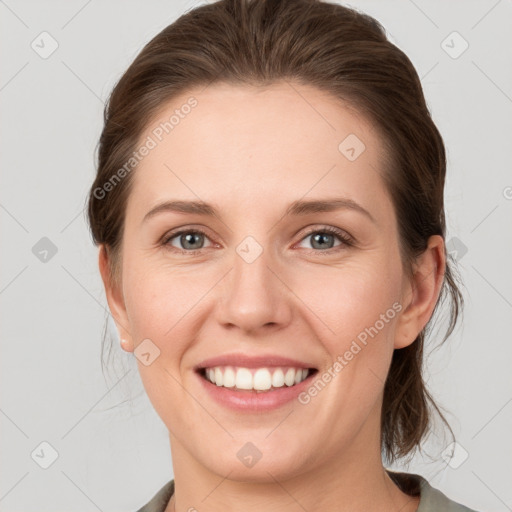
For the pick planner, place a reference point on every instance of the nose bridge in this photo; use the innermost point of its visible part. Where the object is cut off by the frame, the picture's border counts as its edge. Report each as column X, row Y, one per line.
column 254, row 297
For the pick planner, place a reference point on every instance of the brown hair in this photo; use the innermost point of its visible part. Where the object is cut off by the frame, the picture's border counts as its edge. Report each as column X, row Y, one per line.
column 337, row 50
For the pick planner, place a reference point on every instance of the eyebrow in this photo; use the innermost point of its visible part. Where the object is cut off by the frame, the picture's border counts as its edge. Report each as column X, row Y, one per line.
column 297, row 208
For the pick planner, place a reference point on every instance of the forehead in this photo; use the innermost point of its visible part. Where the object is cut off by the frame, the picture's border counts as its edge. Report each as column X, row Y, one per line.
column 228, row 143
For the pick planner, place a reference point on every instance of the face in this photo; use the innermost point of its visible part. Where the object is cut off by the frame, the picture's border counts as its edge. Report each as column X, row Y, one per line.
column 294, row 264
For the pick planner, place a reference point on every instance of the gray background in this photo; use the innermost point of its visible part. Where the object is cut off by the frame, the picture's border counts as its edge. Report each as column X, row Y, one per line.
column 113, row 457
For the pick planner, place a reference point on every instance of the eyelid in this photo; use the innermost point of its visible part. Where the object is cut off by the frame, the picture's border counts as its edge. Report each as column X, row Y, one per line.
column 180, row 231
column 345, row 238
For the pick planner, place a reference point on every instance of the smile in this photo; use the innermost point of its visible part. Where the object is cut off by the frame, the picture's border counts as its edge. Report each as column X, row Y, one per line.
column 256, row 379
column 254, row 383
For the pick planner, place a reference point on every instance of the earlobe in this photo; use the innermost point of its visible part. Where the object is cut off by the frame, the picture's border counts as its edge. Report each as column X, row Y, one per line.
column 115, row 300
column 421, row 292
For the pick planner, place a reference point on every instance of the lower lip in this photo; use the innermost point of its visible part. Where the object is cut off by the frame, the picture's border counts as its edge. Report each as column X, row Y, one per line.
column 253, row 401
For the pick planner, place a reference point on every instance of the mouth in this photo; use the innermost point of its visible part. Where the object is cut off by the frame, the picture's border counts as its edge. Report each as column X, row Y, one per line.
column 254, row 383
column 256, row 380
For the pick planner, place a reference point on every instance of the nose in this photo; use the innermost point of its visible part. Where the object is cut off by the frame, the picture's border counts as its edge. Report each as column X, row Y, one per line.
column 254, row 297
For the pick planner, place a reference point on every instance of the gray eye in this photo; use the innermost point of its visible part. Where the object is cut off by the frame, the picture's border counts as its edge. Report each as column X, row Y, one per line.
column 187, row 240
column 322, row 240
column 192, row 240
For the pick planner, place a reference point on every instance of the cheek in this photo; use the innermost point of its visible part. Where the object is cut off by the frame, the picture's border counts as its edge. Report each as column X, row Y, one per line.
column 346, row 302
column 162, row 305
column 355, row 311
column 160, row 300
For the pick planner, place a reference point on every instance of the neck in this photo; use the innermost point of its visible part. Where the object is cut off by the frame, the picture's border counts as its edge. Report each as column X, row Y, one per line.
column 354, row 480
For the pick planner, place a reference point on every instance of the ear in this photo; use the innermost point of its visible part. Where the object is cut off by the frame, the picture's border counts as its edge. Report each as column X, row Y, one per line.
column 420, row 293
column 115, row 300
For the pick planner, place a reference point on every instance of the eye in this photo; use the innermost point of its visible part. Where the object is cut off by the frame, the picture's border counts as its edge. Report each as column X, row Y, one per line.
column 324, row 239
column 189, row 240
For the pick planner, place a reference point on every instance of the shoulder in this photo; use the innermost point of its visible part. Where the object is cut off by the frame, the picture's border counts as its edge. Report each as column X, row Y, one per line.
column 159, row 501
column 431, row 499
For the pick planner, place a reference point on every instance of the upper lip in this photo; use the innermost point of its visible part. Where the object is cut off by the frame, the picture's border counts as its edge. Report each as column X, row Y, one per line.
column 246, row 361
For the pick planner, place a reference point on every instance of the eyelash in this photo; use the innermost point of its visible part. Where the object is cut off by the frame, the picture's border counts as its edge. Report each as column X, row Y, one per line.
column 343, row 237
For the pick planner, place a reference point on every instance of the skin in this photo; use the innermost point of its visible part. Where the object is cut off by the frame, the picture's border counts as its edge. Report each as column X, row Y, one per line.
column 251, row 152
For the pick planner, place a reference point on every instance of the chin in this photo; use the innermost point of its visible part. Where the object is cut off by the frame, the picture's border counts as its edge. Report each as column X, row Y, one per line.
column 245, row 462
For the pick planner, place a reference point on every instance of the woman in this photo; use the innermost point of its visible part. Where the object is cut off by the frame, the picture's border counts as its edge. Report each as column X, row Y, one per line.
column 269, row 211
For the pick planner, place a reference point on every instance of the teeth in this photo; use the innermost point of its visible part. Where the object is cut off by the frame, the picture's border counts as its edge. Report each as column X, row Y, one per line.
column 243, row 378
column 260, row 379
column 289, row 378
column 278, row 378
column 229, row 378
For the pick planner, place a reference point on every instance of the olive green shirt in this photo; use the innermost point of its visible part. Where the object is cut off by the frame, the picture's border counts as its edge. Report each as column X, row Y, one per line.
column 431, row 499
